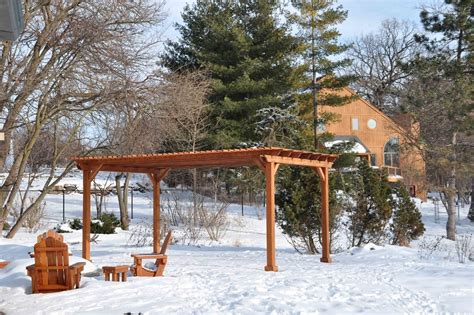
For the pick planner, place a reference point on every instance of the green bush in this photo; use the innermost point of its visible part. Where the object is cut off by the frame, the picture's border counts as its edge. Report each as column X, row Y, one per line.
column 299, row 208
column 75, row 224
column 105, row 224
column 58, row 229
column 6, row 226
column 406, row 224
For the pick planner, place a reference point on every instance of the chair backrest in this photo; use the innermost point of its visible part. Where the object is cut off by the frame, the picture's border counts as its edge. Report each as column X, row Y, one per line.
column 51, row 260
column 166, row 243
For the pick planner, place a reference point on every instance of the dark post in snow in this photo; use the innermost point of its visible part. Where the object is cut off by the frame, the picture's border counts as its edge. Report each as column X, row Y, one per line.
column 64, row 206
column 131, row 206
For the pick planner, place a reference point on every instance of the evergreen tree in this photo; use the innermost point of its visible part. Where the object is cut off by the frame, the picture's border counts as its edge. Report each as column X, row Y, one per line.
column 250, row 54
column 316, row 22
column 299, row 208
column 440, row 95
column 406, row 223
column 371, row 208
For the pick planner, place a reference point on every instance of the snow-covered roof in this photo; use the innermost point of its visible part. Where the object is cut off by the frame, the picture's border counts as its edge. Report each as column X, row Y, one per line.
column 357, row 148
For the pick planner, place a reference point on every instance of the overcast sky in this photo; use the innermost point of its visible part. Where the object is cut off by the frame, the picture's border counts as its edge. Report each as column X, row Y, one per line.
column 364, row 15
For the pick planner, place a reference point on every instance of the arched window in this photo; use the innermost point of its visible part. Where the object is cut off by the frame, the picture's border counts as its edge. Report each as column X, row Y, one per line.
column 391, row 153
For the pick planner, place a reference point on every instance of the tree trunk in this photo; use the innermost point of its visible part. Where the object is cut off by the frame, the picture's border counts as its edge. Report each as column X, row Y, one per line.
column 122, row 196
column 195, row 209
column 470, row 215
column 451, row 195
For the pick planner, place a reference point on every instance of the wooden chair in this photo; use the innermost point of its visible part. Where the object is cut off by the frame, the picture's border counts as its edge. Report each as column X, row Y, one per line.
column 51, row 271
column 160, row 262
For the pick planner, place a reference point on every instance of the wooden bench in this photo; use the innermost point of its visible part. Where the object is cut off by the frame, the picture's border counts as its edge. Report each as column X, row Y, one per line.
column 160, row 261
column 117, row 272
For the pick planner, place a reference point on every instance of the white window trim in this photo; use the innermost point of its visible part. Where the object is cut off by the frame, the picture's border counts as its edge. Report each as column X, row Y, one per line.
column 354, row 124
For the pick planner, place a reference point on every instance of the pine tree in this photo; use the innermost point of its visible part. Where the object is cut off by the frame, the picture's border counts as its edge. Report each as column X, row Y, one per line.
column 371, row 209
column 250, row 54
column 441, row 96
column 316, row 22
column 299, row 208
column 406, row 224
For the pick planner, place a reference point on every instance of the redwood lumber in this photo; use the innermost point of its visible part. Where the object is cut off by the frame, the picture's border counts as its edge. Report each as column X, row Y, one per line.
column 157, row 165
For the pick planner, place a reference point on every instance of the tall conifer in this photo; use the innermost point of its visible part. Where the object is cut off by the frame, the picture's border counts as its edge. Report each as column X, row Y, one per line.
column 250, row 53
column 316, row 22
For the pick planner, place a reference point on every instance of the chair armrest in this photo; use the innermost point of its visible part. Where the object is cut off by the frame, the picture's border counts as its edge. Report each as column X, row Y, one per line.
column 148, row 256
column 78, row 266
column 30, row 270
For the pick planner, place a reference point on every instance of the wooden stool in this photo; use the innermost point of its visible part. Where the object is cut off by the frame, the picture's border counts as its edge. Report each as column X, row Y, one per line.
column 116, row 271
column 3, row 264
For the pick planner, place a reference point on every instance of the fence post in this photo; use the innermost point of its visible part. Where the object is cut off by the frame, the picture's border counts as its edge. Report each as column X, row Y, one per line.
column 458, row 208
column 242, row 202
column 64, row 206
column 131, row 208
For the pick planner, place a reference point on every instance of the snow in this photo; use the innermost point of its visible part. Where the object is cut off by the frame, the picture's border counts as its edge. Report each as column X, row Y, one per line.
column 357, row 148
column 228, row 277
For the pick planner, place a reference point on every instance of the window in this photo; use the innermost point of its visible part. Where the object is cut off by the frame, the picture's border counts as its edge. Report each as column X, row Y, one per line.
column 391, row 153
column 355, row 124
column 371, row 123
column 373, row 160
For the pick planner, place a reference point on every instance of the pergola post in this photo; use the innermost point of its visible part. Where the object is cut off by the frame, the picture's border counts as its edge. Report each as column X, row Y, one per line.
column 270, row 171
column 325, row 214
column 156, row 215
column 155, row 180
column 89, row 174
column 86, row 214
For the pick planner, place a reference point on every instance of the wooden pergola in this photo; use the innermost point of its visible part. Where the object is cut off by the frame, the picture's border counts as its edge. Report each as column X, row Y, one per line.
column 158, row 165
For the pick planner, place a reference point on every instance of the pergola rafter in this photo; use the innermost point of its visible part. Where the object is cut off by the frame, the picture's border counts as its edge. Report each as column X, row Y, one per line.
column 158, row 165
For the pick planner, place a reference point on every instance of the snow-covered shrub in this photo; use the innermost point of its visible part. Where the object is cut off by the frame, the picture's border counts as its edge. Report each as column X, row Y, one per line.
column 194, row 218
column 185, row 216
column 214, row 220
column 75, row 224
column 141, row 235
column 170, row 210
column 32, row 221
column 463, row 247
column 192, row 229
column 430, row 245
column 62, row 228
column 240, row 221
column 406, row 222
column 105, row 224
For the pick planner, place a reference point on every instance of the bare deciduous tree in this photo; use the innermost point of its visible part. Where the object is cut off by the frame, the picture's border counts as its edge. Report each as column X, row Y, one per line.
column 64, row 64
column 378, row 62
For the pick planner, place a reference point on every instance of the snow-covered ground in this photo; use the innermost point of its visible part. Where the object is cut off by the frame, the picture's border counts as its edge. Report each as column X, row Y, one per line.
column 228, row 277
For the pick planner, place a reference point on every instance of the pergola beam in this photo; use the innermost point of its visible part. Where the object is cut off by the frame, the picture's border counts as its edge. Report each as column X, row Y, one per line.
column 294, row 161
column 129, row 169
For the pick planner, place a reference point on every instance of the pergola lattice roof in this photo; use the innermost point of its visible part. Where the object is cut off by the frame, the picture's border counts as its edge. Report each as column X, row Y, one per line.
column 145, row 163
